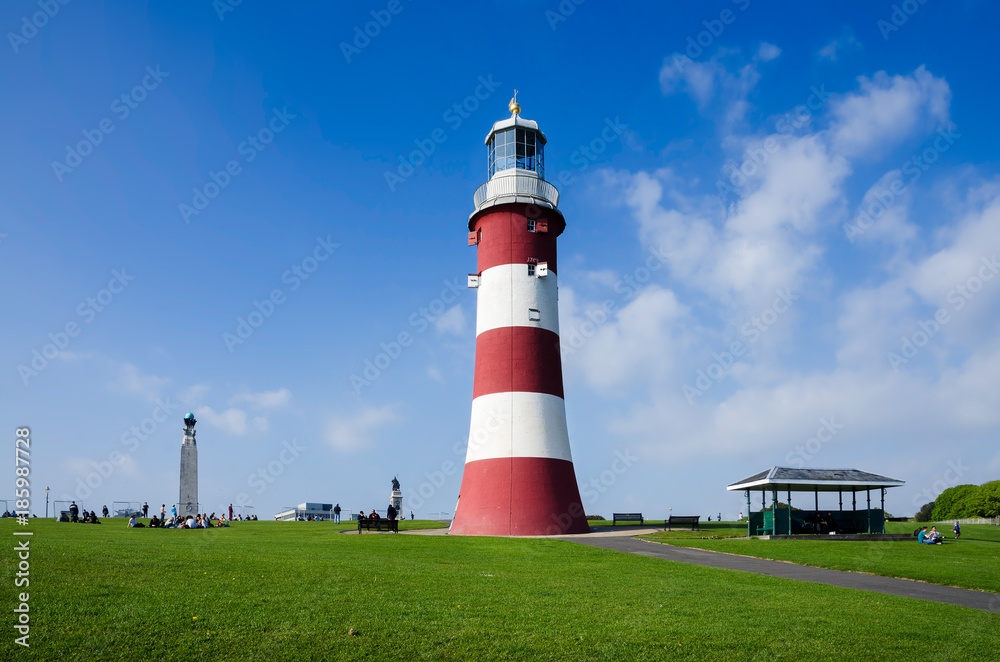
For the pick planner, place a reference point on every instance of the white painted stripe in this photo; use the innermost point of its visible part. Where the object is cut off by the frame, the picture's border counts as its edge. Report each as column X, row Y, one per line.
column 506, row 293
column 518, row 425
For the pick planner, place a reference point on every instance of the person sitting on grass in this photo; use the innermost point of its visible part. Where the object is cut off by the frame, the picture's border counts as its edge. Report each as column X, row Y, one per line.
column 154, row 523
column 190, row 523
column 93, row 518
column 86, row 517
column 935, row 535
column 131, row 521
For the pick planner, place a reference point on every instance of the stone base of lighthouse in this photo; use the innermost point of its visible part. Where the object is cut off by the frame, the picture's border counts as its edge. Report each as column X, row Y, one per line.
column 519, row 496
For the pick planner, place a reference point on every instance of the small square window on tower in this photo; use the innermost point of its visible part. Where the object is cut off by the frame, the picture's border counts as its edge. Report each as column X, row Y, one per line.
column 473, row 280
column 534, row 315
column 531, row 225
column 531, row 269
column 542, row 270
column 542, row 226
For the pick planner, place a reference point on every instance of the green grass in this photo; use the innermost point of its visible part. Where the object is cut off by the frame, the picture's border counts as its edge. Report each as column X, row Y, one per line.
column 291, row 591
column 705, row 530
column 972, row 561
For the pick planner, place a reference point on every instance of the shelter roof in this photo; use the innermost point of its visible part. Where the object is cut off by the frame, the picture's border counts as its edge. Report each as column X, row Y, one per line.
column 809, row 480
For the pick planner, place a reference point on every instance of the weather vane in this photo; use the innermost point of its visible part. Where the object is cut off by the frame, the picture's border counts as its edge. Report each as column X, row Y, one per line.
column 514, row 106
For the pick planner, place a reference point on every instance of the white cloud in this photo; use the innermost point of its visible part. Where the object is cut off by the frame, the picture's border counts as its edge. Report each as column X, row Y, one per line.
column 232, row 420
column 636, row 345
column 451, row 321
column 192, row 395
column 886, row 110
column 841, row 44
column 704, row 80
column 264, row 399
column 354, row 432
column 883, row 215
column 132, row 380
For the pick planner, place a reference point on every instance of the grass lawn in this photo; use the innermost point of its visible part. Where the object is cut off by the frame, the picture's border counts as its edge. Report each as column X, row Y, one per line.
column 292, row 591
column 972, row 561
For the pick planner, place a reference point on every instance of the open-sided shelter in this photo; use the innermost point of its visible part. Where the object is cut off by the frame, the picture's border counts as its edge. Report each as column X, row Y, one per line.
column 849, row 482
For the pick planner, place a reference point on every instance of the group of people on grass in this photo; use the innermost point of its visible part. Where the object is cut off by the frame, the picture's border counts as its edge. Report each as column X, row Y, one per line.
column 932, row 537
column 89, row 517
column 200, row 521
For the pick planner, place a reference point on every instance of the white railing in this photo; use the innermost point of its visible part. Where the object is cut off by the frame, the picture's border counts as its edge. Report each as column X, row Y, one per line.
column 995, row 521
column 512, row 185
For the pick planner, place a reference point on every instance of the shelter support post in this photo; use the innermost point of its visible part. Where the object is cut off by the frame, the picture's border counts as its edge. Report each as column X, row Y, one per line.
column 883, row 510
column 869, row 493
column 789, row 510
column 840, row 495
column 749, row 532
column 816, row 494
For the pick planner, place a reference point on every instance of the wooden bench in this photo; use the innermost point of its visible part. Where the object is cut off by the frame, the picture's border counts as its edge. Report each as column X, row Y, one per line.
column 683, row 519
column 378, row 524
column 626, row 517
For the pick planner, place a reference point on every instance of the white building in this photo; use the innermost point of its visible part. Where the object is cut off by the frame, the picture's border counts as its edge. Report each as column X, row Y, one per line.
column 321, row 511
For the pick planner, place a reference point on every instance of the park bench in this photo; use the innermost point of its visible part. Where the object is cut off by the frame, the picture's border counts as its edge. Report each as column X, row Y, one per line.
column 378, row 524
column 626, row 517
column 683, row 519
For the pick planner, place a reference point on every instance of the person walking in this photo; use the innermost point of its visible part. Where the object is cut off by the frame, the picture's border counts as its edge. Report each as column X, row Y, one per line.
column 336, row 514
column 74, row 512
column 958, row 530
column 173, row 511
column 145, row 509
column 163, row 512
column 230, row 512
column 411, row 515
column 105, row 510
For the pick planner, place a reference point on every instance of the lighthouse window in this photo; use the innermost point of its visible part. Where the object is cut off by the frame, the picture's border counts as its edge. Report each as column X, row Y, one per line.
column 531, row 270
column 515, row 148
column 534, row 315
column 531, row 225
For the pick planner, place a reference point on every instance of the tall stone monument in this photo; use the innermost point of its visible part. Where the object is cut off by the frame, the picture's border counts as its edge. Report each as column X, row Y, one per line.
column 187, row 502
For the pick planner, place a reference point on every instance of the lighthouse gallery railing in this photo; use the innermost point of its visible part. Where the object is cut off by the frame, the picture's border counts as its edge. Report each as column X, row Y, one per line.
column 499, row 187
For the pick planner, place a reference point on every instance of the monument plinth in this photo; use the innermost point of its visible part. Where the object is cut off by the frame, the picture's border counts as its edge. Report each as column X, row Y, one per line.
column 396, row 498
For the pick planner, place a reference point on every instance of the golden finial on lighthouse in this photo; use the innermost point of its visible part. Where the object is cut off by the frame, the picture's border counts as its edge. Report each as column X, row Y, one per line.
column 514, row 106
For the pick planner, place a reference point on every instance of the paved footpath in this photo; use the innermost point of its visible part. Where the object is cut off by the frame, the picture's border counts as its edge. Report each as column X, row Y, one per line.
column 624, row 542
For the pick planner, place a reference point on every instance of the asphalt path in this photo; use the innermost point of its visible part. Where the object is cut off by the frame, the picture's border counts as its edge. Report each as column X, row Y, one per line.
column 902, row 587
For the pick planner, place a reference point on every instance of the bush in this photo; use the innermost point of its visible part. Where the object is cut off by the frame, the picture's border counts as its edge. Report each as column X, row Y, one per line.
column 595, row 518
column 955, row 502
column 925, row 512
column 986, row 501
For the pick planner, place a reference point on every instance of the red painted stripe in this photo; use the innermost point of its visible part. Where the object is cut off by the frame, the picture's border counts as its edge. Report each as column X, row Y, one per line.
column 505, row 238
column 521, row 496
column 518, row 358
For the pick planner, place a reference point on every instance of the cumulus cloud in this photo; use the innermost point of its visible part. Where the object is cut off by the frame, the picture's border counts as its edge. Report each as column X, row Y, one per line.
column 353, row 432
column 133, row 381
column 828, row 358
column 264, row 399
column 842, row 44
column 885, row 110
column 232, row 420
column 451, row 321
column 720, row 76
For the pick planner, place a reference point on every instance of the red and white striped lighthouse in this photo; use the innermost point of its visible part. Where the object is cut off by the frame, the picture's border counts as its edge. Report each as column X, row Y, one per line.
column 519, row 477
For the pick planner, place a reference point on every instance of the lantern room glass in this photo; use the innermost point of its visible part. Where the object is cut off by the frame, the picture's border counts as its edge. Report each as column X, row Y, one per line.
column 516, row 147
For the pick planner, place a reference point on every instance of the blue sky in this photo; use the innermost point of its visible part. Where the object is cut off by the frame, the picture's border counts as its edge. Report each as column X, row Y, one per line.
column 783, row 222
